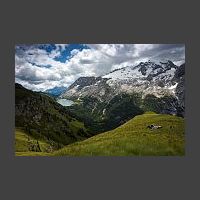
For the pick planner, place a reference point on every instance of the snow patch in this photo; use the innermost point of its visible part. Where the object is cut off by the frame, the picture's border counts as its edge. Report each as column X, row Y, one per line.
column 173, row 86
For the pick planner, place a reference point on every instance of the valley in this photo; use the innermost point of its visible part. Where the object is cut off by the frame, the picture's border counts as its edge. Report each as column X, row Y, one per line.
column 105, row 115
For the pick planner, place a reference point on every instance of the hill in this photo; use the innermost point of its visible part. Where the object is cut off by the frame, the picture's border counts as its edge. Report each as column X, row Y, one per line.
column 27, row 145
column 41, row 117
column 134, row 138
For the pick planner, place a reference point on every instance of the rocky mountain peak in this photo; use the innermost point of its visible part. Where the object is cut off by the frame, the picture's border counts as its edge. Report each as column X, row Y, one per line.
column 146, row 78
column 85, row 81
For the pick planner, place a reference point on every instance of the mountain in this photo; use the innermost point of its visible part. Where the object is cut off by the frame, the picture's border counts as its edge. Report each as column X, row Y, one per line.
column 56, row 91
column 180, row 89
column 134, row 138
column 42, row 118
column 146, row 78
column 116, row 97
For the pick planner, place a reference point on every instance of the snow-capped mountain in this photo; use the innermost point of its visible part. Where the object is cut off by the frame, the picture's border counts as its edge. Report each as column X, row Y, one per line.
column 146, row 78
column 143, row 70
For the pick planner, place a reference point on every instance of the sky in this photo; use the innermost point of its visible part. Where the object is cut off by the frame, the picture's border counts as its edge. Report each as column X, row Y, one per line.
column 40, row 67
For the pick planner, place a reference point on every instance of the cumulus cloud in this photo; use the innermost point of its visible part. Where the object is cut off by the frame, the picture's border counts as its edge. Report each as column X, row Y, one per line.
column 37, row 68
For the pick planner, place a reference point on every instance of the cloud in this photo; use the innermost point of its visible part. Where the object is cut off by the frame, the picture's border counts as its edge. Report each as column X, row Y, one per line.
column 37, row 67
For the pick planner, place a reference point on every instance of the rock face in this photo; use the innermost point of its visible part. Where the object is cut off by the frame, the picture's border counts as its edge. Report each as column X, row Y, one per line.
column 162, row 83
column 180, row 89
column 87, row 86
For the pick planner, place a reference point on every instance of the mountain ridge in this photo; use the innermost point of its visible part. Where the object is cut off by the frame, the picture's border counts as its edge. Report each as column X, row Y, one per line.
column 144, row 77
column 107, row 102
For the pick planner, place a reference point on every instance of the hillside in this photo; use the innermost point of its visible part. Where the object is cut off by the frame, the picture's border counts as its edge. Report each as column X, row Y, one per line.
column 134, row 138
column 41, row 117
column 25, row 144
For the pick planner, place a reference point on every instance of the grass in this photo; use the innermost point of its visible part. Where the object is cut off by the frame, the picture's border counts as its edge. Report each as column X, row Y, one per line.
column 32, row 154
column 23, row 142
column 131, row 139
column 134, row 138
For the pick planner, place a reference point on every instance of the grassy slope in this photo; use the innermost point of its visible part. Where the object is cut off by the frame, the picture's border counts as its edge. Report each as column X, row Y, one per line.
column 22, row 145
column 134, row 138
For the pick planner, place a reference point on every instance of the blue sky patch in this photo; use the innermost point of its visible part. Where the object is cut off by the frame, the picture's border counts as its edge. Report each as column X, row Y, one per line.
column 47, row 47
column 66, row 54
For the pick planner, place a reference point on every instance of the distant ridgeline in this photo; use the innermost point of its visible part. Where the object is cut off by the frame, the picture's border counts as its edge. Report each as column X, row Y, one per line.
column 106, row 102
column 43, row 118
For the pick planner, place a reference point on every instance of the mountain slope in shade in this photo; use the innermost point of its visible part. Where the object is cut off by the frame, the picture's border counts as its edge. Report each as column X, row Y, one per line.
column 41, row 117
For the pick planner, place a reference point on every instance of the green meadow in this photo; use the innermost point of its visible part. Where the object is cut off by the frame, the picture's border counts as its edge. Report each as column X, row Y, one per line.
column 133, row 138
